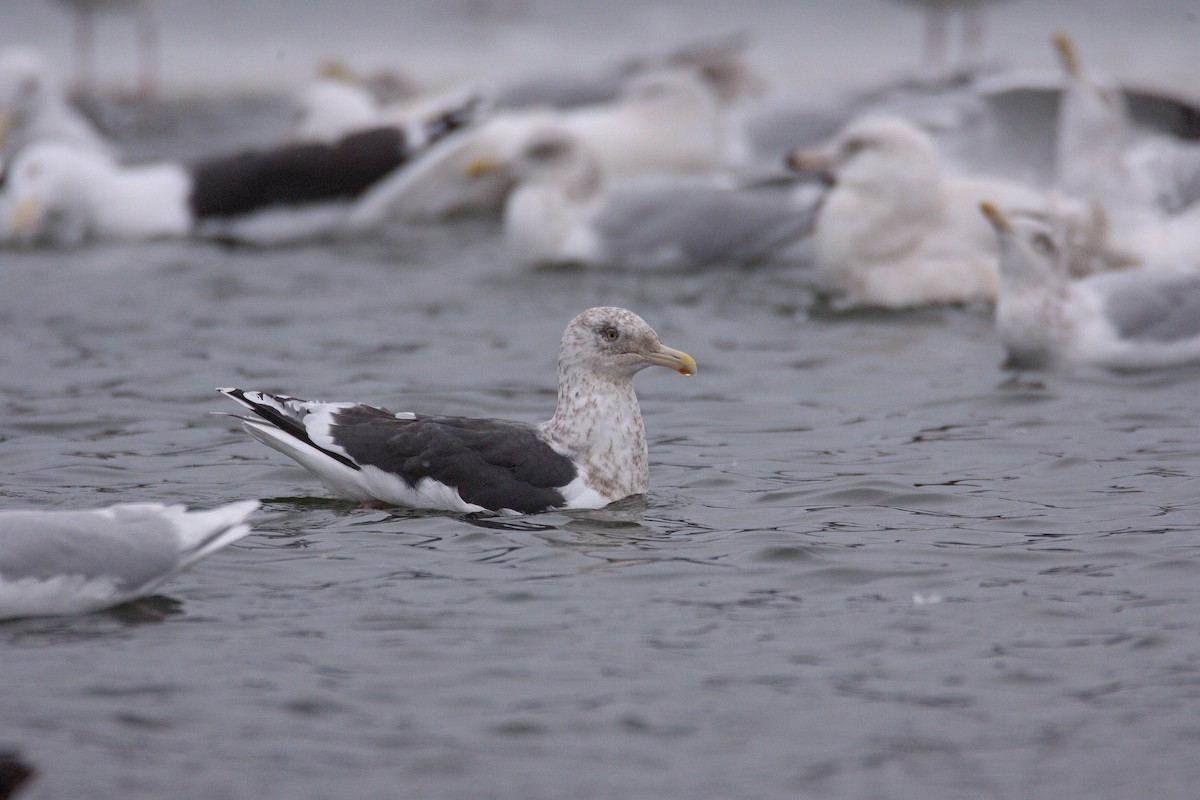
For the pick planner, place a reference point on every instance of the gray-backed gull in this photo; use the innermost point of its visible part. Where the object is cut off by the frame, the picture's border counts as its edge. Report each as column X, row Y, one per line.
column 73, row 562
column 592, row 452
column 564, row 210
column 1131, row 319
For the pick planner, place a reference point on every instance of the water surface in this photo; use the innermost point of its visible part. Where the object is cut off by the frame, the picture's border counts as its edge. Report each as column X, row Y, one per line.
column 872, row 563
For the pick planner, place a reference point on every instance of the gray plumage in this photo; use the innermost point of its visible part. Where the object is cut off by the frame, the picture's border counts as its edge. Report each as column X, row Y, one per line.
column 58, row 562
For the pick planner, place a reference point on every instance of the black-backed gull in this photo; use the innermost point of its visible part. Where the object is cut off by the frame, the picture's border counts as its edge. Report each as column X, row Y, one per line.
column 59, row 194
column 592, row 452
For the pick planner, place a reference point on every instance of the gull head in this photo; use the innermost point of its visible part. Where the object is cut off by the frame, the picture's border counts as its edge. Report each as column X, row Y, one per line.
column 870, row 152
column 617, row 344
column 48, row 192
column 1031, row 247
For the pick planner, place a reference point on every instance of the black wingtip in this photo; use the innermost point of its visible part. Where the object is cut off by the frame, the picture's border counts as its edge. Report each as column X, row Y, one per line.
column 291, row 426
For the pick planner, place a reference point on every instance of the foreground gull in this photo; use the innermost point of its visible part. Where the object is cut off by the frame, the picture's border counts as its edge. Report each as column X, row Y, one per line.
column 894, row 231
column 58, row 194
column 1132, row 319
column 592, row 452
column 73, row 562
column 563, row 211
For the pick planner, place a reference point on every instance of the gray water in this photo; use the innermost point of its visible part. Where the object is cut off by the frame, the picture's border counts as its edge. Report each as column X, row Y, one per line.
column 872, row 563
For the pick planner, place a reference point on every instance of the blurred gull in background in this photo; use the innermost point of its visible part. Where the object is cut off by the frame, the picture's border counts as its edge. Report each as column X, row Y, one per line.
column 663, row 121
column 938, row 15
column 720, row 61
column 74, row 562
column 1147, row 182
column 894, row 231
column 565, row 211
column 58, row 194
column 1132, row 319
column 34, row 108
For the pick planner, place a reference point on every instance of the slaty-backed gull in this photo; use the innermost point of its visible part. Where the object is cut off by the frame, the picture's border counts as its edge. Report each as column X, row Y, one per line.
column 1133, row 319
column 592, row 452
column 74, row 562
column 58, row 194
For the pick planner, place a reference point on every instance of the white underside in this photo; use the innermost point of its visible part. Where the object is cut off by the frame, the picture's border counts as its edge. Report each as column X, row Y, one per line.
column 195, row 534
column 62, row 594
column 374, row 484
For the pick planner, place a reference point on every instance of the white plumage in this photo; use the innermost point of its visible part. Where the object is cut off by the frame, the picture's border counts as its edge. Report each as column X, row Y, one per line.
column 894, row 231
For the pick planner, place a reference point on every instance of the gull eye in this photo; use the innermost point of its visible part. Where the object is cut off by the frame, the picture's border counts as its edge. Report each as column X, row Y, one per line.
column 610, row 333
column 852, row 147
column 1043, row 244
column 546, row 150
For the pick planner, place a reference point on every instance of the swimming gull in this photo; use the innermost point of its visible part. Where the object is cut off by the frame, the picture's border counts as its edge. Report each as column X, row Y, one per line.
column 894, row 231
column 339, row 103
column 663, row 121
column 592, row 452
column 34, row 108
column 74, row 562
column 58, row 194
column 1133, row 319
column 564, row 211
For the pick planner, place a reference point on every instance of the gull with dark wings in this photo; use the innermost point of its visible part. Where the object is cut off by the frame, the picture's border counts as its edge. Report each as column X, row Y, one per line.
column 592, row 452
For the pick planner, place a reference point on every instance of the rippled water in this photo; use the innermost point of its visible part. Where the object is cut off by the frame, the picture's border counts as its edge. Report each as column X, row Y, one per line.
column 872, row 564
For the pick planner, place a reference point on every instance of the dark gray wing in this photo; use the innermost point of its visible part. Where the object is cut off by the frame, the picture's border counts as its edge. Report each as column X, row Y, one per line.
column 496, row 464
column 1158, row 307
column 300, row 174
